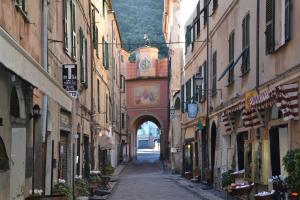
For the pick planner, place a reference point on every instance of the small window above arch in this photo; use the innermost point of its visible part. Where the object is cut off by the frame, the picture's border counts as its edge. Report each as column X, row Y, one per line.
column 177, row 104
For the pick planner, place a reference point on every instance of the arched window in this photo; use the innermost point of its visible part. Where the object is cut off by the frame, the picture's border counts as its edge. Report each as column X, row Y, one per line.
column 14, row 103
column 4, row 161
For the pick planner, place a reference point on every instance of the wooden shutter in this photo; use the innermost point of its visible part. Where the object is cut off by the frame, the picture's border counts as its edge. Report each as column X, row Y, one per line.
column 201, row 85
column 103, row 52
column 82, row 79
column 270, row 26
column 245, row 44
column 182, row 98
column 205, row 79
column 85, row 61
column 73, row 24
column 205, row 11
column 214, row 74
column 231, row 57
column 106, row 55
column 288, row 22
column 65, row 22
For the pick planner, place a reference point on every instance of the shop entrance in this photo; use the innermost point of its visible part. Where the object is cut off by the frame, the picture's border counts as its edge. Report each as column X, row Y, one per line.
column 278, row 148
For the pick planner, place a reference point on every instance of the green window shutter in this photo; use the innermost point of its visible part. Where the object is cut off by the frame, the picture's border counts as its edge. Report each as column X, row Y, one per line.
column 106, row 56
column 85, row 61
column 270, row 26
column 288, row 22
column 231, row 57
column 81, row 56
column 103, row 52
column 245, row 44
column 65, row 22
column 73, row 24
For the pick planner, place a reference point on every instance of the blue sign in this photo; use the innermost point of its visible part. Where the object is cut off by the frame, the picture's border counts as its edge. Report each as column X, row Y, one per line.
column 192, row 110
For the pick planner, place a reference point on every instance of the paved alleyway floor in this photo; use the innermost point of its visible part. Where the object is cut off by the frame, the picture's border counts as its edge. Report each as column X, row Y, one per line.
column 144, row 180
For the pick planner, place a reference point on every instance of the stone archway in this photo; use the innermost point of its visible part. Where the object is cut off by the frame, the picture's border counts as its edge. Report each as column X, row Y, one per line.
column 135, row 124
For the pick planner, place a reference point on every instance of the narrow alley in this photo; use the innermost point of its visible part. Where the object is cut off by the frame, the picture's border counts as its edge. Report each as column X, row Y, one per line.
column 144, row 179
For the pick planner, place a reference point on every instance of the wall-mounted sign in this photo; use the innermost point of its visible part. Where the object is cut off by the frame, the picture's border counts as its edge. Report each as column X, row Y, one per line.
column 69, row 76
column 192, row 110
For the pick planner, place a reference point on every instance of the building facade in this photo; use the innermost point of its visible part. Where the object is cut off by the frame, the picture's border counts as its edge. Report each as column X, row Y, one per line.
column 146, row 86
column 248, row 92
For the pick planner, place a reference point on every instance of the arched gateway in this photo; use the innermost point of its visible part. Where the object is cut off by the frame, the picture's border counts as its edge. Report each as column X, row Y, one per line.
column 147, row 96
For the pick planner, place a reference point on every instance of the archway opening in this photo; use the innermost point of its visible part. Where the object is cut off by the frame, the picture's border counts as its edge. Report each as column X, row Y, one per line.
column 148, row 141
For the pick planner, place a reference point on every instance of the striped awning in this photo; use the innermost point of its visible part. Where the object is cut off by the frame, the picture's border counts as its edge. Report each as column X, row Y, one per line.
column 228, row 122
column 251, row 118
column 284, row 96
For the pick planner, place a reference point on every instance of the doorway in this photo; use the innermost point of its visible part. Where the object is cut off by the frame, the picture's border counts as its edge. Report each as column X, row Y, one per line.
column 213, row 148
column 63, row 155
column 86, row 157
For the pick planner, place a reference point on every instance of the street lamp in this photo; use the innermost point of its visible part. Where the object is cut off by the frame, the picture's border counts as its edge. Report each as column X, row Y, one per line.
column 36, row 112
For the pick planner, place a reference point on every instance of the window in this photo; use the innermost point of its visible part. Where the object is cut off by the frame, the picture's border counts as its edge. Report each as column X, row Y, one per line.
column 205, row 2
column 278, row 24
column 202, row 87
column 197, row 20
column 188, row 91
column 287, row 20
column 122, row 83
column 245, row 45
column 188, row 36
column 83, row 58
column 270, row 26
column 214, row 75
column 98, row 95
column 95, row 33
column 123, row 120
column 69, row 27
column 21, row 5
column 4, row 160
column 231, row 57
column 106, row 55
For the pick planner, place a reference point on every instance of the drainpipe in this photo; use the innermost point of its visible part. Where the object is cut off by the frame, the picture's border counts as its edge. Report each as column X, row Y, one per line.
column 257, row 42
column 44, row 46
column 92, row 92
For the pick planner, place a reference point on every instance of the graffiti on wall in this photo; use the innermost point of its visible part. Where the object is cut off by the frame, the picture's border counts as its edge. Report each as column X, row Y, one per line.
column 146, row 95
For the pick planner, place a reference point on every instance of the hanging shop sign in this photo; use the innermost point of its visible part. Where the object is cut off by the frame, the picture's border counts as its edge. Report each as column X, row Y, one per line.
column 69, row 76
column 192, row 110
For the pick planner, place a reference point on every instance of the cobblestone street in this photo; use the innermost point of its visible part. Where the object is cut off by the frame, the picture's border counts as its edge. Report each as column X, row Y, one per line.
column 144, row 179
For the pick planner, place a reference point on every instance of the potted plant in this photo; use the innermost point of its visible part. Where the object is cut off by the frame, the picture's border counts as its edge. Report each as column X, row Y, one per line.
column 62, row 188
column 94, row 181
column 108, row 169
column 81, row 187
column 291, row 163
column 227, row 179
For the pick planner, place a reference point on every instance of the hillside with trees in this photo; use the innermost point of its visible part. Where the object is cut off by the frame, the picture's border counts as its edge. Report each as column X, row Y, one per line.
column 137, row 17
